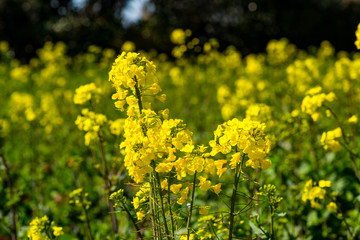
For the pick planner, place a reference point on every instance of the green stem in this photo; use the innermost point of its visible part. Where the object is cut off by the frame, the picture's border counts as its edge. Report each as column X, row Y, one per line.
column 343, row 218
column 11, row 190
column 107, row 185
column 138, row 94
column 88, row 228
column 338, row 123
column 152, row 207
column 352, row 154
column 238, row 170
column 191, row 208
column 133, row 221
column 272, row 222
column 170, row 210
column 161, row 200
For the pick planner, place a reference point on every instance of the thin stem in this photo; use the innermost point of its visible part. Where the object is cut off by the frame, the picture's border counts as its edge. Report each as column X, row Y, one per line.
column 191, row 208
column 262, row 230
column 170, row 210
column 47, row 234
column 352, row 154
column 349, row 150
column 338, row 123
column 11, row 189
column 355, row 167
column 238, row 170
column 347, row 225
column 133, row 221
column 138, row 94
column 88, row 227
column 343, row 217
column 272, row 222
column 152, row 207
column 107, row 185
column 161, row 200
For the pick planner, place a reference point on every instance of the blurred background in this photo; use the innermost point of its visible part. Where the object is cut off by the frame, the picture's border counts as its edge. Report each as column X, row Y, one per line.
column 246, row 24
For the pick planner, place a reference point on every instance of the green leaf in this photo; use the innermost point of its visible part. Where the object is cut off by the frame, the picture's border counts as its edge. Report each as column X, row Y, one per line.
column 257, row 230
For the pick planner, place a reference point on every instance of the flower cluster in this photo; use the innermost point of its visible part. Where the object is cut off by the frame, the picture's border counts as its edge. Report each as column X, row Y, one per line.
column 85, row 93
column 259, row 112
column 314, row 100
column 117, row 126
column 151, row 139
column 90, row 122
column 134, row 76
column 141, row 197
column 4, row 127
column 79, row 198
column 40, row 227
column 328, row 140
column 357, row 34
column 22, row 104
column 312, row 192
column 210, row 227
column 270, row 192
column 246, row 136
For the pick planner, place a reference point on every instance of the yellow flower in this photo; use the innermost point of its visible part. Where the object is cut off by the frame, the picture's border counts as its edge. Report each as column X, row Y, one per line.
column 219, row 166
column 357, row 34
column 353, row 119
column 140, row 215
column 128, row 46
column 58, row 231
column 246, row 135
column 312, row 192
column 164, row 184
column 328, row 139
column 216, row 188
column 132, row 75
column 184, row 195
column 178, row 36
column 204, row 210
column 204, row 184
column 90, row 122
column 85, row 93
column 314, row 100
column 324, row 183
column 332, row 207
column 175, row 188
column 117, row 126
column 136, row 202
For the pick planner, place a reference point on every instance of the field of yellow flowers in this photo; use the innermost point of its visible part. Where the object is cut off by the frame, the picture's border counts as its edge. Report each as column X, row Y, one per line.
column 202, row 144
